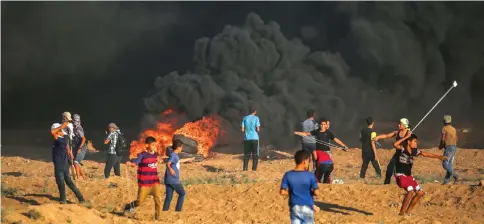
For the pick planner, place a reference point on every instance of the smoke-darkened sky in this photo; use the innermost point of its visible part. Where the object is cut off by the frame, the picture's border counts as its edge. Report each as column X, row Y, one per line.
column 111, row 61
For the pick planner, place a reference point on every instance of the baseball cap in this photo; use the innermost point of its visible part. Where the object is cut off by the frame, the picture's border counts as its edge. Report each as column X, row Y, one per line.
column 67, row 115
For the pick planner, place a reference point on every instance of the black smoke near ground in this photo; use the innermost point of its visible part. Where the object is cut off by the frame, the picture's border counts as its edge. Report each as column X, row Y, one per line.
column 393, row 60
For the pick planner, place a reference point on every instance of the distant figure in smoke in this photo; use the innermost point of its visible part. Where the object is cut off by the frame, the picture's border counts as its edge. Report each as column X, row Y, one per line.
column 368, row 149
column 79, row 146
column 323, row 135
column 60, row 155
column 406, row 150
column 113, row 160
column 251, row 129
column 309, row 142
column 449, row 143
column 403, row 128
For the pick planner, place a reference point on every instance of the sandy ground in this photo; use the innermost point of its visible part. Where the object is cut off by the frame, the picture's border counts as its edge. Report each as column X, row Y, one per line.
column 218, row 192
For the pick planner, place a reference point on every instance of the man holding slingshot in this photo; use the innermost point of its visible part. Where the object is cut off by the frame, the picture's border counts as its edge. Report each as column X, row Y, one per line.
column 323, row 136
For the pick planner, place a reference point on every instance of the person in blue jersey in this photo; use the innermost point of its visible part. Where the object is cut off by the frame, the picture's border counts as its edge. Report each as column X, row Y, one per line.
column 60, row 155
column 301, row 186
column 251, row 129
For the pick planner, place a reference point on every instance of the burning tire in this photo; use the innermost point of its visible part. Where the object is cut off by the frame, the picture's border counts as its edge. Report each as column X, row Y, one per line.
column 189, row 145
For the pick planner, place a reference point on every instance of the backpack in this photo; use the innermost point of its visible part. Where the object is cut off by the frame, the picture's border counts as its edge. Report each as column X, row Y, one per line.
column 121, row 144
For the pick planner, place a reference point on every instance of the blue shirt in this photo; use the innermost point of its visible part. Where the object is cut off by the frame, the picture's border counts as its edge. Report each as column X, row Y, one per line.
column 250, row 123
column 175, row 165
column 300, row 185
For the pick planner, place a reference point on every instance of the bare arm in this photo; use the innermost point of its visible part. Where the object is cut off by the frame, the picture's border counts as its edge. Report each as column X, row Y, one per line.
column 316, row 192
column 385, row 136
column 243, row 129
column 83, row 140
column 302, row 133
column 399, row 142
column 373, row 146
column 258, row 128
column 340, row 142
column 55, row 130
column 431, row 155
column 108, row 138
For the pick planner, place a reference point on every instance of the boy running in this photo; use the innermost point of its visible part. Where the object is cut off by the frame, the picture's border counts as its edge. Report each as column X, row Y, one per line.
column 403, row 173
column 368, row 149
column 172, row 178
column 301, row 186
column 449, row 142
column 148, row 181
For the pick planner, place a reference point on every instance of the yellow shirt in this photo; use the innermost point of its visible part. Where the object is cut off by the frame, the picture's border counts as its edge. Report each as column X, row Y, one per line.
column 450, row 135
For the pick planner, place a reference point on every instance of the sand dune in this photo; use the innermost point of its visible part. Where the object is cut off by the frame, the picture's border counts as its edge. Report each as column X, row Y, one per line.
column 218, row 192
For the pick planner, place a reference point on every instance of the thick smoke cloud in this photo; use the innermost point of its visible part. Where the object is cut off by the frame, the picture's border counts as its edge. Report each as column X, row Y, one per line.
column 47, row 39
column 395, row 60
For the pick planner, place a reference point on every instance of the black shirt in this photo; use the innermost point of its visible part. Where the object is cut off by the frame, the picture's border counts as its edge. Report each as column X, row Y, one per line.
column 367, row 135
column 405, row 161
column 323, row 136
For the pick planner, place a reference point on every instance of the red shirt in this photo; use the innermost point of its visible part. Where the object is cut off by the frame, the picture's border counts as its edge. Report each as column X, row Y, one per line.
column 323, row 157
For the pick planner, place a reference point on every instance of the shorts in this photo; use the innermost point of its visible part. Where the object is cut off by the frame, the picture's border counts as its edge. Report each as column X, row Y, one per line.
column 302, row 214
column 408, row 183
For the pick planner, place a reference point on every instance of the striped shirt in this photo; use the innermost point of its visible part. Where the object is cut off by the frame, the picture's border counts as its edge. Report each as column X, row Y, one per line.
column 113, row 139
column 147, row 169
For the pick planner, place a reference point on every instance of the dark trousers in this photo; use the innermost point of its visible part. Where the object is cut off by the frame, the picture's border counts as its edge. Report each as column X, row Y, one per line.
column 169, row 195
column 323, row 173
column 112, row 161
column 390, row 169
column 374, row 163
column 310, row 147
column 62, row 178
column 251, row 148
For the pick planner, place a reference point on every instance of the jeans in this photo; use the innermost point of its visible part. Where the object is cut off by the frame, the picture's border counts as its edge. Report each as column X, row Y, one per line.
column 79, row 156
column 302, row 214
column 391, row 169
column 310, row 147
column 374, row 163
column 448, row 164
column 112, row 161
column 251, row 147
column 143, row 192
column 323, row 173
column 169, row 195
column 62, row 178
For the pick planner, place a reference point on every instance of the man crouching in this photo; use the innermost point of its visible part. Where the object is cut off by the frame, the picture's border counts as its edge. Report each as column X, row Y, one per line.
column 406, row 150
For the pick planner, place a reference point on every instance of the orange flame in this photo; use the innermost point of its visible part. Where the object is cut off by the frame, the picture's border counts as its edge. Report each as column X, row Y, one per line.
column 204, row 132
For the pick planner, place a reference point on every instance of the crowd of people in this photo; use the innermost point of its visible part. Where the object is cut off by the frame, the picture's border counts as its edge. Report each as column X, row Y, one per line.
column 300, row 184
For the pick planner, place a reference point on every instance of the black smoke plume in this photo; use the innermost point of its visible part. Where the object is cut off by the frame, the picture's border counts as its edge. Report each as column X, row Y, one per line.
column 393, row 60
